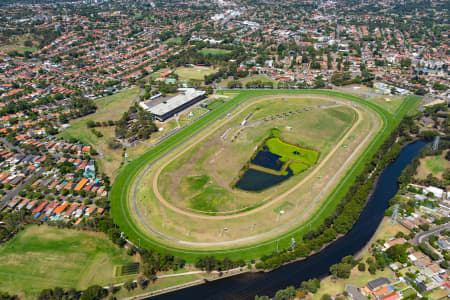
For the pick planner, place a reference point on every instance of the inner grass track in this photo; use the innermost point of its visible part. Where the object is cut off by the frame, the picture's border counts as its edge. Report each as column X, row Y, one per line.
column 120, row 189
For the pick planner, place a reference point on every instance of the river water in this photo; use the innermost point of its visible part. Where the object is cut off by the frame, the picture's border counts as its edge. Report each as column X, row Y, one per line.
column 246, row 286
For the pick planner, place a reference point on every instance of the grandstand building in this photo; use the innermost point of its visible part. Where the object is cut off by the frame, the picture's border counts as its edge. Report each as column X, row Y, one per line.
column 163, row 108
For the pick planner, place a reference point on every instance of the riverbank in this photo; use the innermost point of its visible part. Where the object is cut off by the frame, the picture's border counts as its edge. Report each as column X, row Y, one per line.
column 332, row 286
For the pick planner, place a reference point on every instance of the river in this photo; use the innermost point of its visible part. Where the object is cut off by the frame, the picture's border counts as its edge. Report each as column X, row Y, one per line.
column 247, row 285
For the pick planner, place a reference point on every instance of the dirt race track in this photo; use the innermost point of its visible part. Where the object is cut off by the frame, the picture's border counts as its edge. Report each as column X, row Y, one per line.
column 265, row 205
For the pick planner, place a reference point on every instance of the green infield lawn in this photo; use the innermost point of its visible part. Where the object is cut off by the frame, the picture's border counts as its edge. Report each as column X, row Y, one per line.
column 122, row 184
column 288, row 151
column 42, row 257
column 298, row 167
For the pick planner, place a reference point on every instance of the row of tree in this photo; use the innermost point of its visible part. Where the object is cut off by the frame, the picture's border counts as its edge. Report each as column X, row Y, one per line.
column 210, row 263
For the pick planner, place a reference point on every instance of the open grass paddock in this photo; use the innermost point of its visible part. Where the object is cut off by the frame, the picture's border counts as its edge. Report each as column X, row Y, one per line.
column 16, row 43
column 108, row 108
column 42, row 257
column 357, row 143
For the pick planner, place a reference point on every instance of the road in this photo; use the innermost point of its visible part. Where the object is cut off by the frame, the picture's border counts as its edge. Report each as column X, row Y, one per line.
column 9, row 145
column 13, row 193
column 423, row 236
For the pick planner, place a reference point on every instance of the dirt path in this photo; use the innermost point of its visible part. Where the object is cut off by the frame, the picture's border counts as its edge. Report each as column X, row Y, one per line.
column 267, row 204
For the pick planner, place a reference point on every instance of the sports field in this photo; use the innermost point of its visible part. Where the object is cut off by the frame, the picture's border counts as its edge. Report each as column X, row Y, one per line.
column 42, row 257
column 261, row 78
column 193, row 73
column 149, row 211
column 214, row 51
column 435, row 165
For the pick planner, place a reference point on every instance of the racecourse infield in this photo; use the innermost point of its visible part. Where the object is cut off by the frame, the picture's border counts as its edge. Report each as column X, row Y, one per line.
column 121, row 189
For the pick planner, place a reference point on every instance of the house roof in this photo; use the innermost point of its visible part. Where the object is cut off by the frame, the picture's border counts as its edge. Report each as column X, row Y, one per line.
column 377, row 282
column 393, row 296
column 353, row 291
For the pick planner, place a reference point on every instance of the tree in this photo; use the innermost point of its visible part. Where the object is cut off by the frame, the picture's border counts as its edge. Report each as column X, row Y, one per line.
column 90, row 124
column 361, row 267
column 28, row 43
column 234, row 84
column 311, row 285
column 207, row 263
column 130, row 285
column 398, row 253
column 372, row 269
column 142, row 282
column 58, row 293
column 286, row 294
column 319, row 83
column 405, row 62
column 94, row 292
column 421, row 91
column 439, row 87
column 6, row 296
column 428, row 135
column 341, row 270
column 46, row 294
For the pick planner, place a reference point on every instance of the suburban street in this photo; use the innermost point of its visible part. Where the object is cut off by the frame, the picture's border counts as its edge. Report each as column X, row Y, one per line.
column 14, row 192
column 423, row 236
